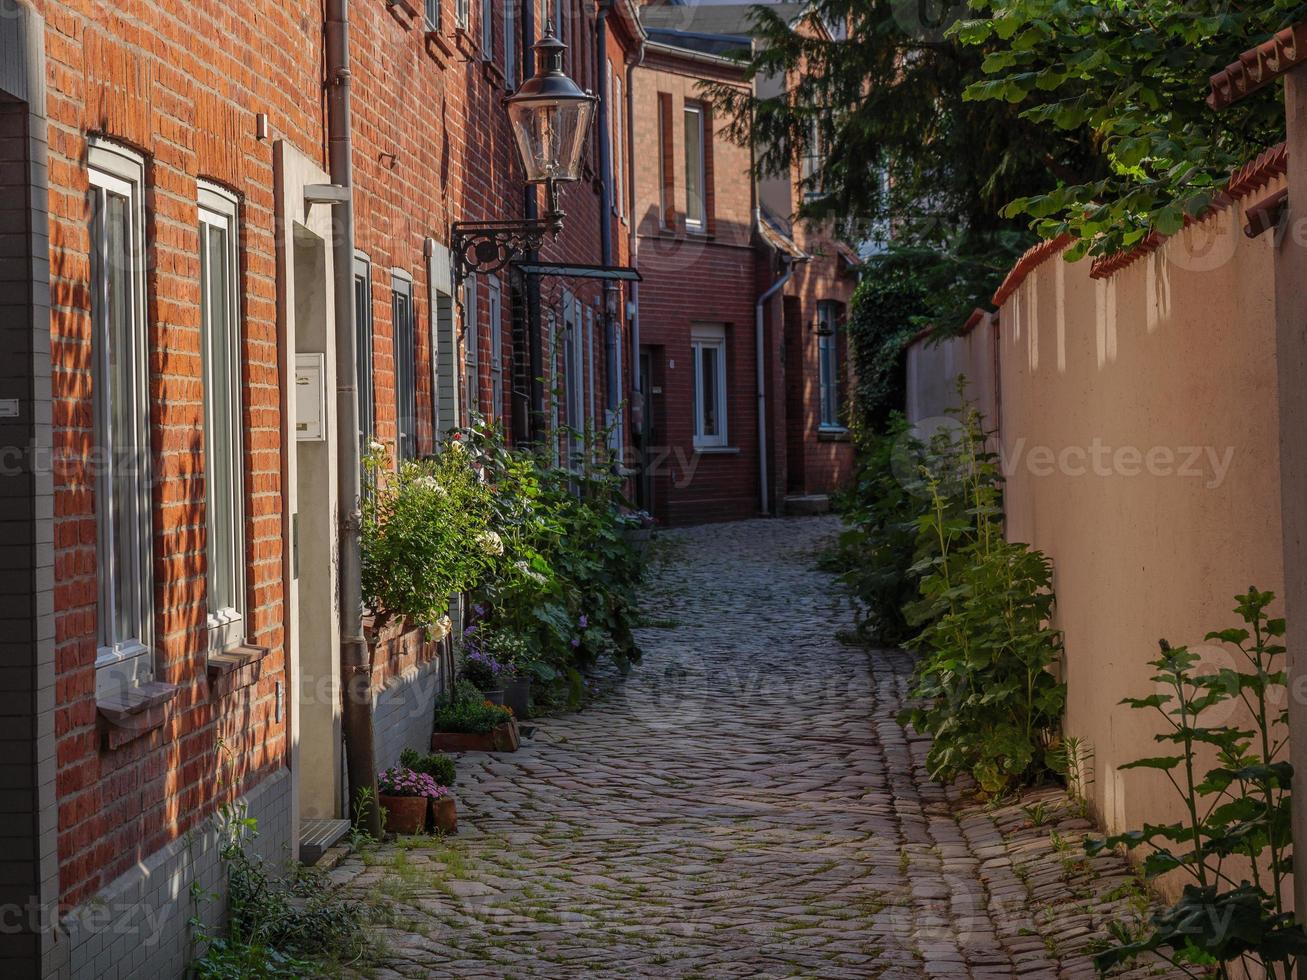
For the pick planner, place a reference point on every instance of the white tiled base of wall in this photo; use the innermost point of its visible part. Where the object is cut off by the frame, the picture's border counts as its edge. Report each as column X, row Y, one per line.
column 139, row 928
column 403, row 711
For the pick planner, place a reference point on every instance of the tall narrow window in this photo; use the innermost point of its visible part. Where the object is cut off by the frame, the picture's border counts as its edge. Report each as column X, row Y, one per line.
column 494, row 311
column 406, row 400
column 551, row 379
column 471, row 347
column 461, row 13
column 694, row 170
column 510, row 43
column 813, row 160
column 122, row 408
column 619, row 147
column 432, row 17
column 220, row 351
column 590, row 364
column 828, row 356
column 613, row 418
column 363, row 348
column 488, row 29
column 444, row 343
column 708, row 385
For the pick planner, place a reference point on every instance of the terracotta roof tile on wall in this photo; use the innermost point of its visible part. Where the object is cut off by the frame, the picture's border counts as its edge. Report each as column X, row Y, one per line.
column 1026, row 264
column 1259, row 66
column 1249, row 178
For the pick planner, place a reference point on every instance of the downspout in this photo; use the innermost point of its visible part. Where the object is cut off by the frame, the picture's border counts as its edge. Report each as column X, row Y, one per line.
column 629, row 136
column 356, row 669
column 759, row 348
column 530, row 210
column 604, row 120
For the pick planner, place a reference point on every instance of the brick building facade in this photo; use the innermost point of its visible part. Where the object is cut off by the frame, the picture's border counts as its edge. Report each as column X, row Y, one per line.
column 730, row 279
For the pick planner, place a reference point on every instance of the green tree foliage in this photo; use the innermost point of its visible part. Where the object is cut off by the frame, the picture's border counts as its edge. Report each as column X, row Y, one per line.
column 1135, row 76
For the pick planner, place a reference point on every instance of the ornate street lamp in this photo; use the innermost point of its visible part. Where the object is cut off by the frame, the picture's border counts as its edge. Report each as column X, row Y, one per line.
column 550, row 116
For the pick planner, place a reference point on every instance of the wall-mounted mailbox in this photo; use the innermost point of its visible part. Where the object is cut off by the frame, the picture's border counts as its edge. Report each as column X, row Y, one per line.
column 311, row 397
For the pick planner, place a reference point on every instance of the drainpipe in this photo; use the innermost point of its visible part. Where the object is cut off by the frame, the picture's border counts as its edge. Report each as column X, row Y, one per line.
column 356, row 669
column 530, row 210
column 606, row 184
column 787, row 269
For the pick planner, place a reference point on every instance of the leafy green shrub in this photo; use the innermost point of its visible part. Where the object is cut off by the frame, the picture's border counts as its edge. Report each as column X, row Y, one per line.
column 564, row 587
column 984, row 684
column 439, row 767
column 425, row 533
column 1239, row 810
column 276, row 924
column 876, row 553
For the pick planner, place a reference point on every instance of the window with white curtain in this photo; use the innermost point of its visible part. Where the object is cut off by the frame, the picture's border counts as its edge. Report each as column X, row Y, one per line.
column 708, row 385
column 220, row 351
column 694, row 168
column 405, row 351
column 119, row 347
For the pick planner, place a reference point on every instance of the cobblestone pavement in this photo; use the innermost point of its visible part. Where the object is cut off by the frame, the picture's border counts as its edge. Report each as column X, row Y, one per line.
column 743, row 805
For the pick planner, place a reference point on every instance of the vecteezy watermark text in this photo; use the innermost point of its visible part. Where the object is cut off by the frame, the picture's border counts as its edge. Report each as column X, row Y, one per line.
column 1207, row 463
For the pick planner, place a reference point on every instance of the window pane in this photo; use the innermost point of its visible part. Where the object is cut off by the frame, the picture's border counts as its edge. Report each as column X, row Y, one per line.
column 695, row 366
column 433, row 14
column 406, row 396
column 221, row 436
column 363, row 358
column 693, row 166
column 711, row 364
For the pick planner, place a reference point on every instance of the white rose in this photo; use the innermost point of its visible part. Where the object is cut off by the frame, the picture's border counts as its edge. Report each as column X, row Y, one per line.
column 492, row 543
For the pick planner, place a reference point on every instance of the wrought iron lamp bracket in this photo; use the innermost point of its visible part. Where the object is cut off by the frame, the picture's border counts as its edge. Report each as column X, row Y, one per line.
column 489, row 246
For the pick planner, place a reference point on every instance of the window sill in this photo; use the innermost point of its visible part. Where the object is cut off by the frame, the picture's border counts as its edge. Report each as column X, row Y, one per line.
column 132, row 712
column 466, row 44
column 833, row 434
column 717, row 450
column 438, row 47
column 234, row 668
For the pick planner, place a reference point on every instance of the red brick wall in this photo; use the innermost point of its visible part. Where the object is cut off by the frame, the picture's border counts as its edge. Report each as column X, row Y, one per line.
column 182, row 87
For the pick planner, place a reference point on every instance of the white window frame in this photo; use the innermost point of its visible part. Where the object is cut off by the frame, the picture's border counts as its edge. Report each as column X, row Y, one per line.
column 462, row 13
column 828, row 365
column 494, row 311
column 224, row 496
column 702, row 337
column 431, row 15
column 510, row 43
column 471, row 349
column 117, row 171
column 363, row 353
column 693, row 223
column 404, row 350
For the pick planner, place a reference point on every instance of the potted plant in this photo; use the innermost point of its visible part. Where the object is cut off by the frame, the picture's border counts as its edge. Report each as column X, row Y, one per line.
column 444, row 811
column 468, row 723
column 486, row 673
column 509, row 649
column 405, row 796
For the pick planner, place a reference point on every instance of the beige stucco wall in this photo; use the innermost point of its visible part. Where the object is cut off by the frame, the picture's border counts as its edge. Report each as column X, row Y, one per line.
column 933, row 367
column 1106, row 385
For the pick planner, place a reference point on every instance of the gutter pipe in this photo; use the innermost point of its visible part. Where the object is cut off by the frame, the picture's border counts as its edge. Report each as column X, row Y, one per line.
column 759, row 347
column 356, row 669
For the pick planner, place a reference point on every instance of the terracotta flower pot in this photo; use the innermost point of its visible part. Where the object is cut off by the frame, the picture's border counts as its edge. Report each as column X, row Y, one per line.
column 405, row 814
column 445, row 815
